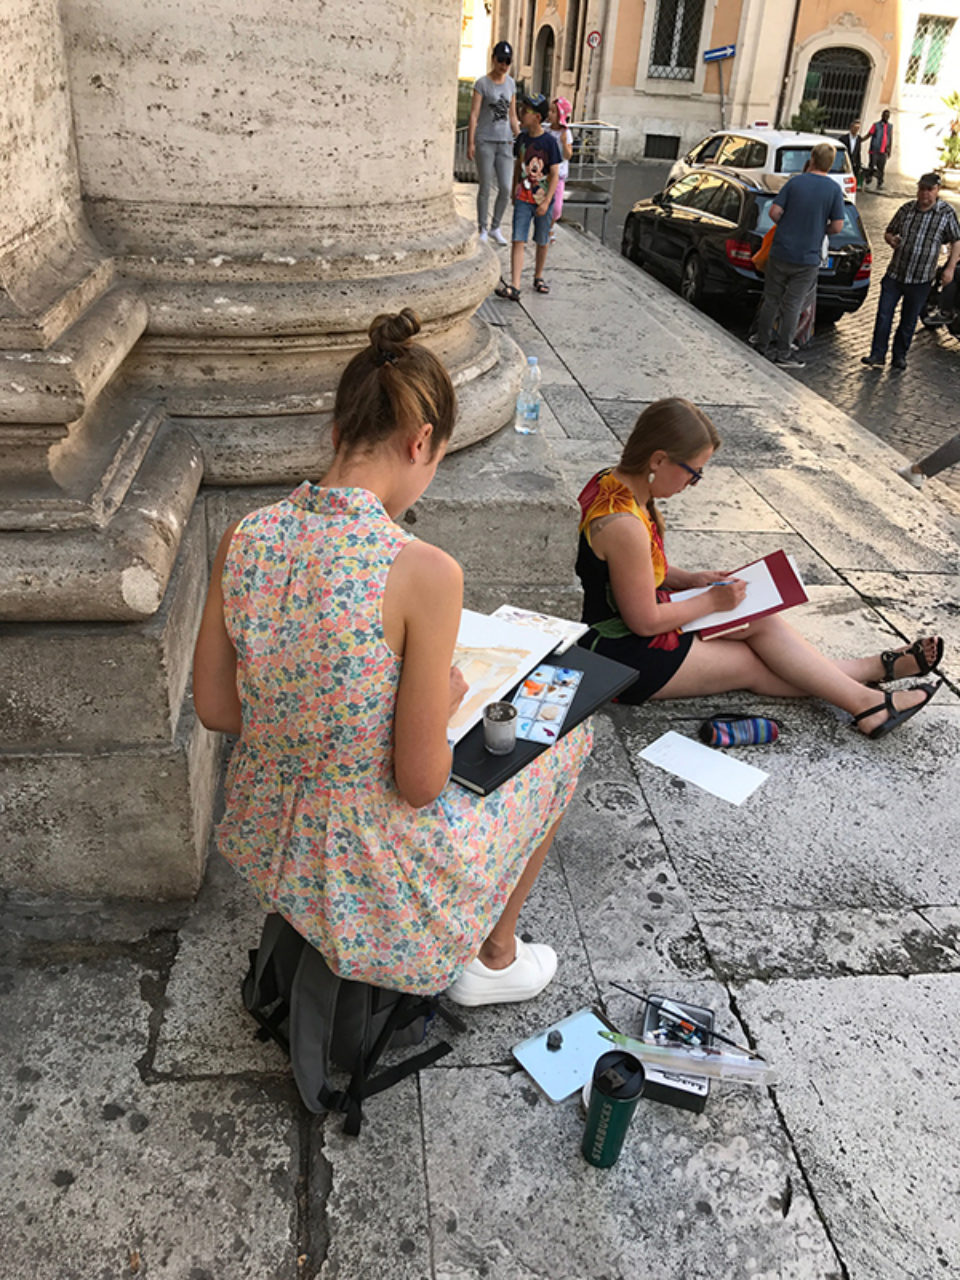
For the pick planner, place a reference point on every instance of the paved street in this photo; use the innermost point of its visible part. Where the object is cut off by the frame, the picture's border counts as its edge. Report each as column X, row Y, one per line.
column 913, row 413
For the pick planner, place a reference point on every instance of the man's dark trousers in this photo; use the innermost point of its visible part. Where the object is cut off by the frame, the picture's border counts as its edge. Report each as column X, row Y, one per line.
column 878, row 162
column 891, row 292
column 785, row 286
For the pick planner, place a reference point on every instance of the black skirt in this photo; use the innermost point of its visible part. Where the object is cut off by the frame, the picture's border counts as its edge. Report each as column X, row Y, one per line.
column 656, row 666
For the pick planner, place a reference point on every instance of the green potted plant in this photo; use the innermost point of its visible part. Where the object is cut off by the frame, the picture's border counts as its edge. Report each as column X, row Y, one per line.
column 949, row 157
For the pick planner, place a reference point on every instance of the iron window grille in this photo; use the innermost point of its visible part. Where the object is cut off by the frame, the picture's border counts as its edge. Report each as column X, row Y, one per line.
column 926, row 53
column 676, row 39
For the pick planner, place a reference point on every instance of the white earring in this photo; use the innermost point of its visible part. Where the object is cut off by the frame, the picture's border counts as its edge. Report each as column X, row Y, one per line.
column 651, row 477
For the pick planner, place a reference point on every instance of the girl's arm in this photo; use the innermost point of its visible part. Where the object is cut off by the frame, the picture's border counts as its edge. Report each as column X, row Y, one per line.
column 426, row 586
column 567, row 144
column 215, row 694
column 625, row 544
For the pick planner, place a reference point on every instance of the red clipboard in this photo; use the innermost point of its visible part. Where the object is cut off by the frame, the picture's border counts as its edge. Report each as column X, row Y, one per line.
column 785, row 580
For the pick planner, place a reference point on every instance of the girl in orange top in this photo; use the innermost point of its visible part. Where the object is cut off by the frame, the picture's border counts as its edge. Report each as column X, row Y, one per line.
column 627, row 582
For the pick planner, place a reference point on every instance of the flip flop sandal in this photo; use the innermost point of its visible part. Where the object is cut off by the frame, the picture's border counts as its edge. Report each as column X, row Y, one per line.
column 504, row 290
column 540, row 284
column 895, row 718
column 889, row 658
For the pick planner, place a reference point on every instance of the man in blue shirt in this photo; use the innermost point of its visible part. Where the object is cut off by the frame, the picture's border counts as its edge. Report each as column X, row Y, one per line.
column 808, row 208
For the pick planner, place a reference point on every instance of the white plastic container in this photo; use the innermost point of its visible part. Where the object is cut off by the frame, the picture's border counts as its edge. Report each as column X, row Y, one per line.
column 527, row 421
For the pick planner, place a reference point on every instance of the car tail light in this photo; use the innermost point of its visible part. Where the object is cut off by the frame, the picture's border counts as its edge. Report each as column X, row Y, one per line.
column 863, row 271
column 740, row 252
column 849, row 182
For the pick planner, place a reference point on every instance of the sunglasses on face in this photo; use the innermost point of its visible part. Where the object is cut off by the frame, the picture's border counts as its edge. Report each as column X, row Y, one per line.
column 695, row 475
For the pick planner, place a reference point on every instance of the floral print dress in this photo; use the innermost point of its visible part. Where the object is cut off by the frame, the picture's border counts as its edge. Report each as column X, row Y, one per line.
column 394, row 896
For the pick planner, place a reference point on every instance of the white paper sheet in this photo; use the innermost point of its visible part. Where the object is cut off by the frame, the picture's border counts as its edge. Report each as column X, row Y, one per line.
column 762, row 593
column 705, row 767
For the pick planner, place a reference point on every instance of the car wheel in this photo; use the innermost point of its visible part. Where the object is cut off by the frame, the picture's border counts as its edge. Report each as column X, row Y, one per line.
column 691, row 281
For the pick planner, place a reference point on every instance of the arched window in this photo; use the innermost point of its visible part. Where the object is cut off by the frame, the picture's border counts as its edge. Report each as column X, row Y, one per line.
column 571, row 36
column 837, row 79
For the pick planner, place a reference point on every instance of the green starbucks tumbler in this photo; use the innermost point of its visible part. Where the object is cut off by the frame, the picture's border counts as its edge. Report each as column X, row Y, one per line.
column 615, row 1091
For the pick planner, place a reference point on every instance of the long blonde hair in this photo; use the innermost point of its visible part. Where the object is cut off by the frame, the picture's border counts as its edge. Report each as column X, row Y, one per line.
column 674, row 425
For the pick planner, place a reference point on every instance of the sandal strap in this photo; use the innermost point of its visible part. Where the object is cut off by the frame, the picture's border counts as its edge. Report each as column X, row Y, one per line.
column 889, row 658
column 885, row 705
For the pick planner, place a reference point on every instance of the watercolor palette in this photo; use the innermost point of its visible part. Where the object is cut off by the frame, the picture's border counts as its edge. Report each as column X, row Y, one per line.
column 542, row 702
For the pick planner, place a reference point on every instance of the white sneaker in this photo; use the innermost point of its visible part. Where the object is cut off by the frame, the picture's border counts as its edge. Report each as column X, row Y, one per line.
column 482, row 235
column 497, row 235
column 916, row 478
column 532, row 969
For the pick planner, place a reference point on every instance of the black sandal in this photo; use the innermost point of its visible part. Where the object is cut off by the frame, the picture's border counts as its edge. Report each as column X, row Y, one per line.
column 895, row 718
column 540, row 284
column 504, row 290
column 890, row 657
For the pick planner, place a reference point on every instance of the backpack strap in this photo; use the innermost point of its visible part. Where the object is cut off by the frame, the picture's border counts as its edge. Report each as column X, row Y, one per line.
column 270, row 965
column 363, row 1085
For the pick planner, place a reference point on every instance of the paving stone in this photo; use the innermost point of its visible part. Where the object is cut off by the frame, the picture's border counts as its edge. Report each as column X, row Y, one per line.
column 725, row 549
column 857, row 521
column 839, row 822
column 768, row 944
column 695, row 1196
column 579, row 419
column 862, row 1063
column 946, row 921
column 375, row 1215
column 205, row 1027
column 107, row 1176
column 633, row 913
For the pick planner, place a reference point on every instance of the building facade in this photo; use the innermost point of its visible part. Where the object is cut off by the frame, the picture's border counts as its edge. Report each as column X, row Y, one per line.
column 648, row 76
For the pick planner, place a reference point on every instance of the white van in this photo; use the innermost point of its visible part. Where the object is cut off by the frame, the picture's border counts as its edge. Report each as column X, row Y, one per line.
column 767, row 156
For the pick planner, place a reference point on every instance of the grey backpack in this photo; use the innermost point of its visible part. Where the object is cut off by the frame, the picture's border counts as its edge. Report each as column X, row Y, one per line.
column 319, row 1019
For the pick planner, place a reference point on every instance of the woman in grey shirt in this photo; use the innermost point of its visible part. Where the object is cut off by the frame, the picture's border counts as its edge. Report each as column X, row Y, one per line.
column 490, row 133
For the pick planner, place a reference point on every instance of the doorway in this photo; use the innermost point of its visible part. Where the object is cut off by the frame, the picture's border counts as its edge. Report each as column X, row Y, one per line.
column 837, row 80
column 543, row 62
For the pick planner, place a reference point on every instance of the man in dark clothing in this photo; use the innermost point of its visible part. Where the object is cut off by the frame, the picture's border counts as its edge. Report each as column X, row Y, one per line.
column 853, row 142
column 916, row 233
column 809, row 207
column 880, row 136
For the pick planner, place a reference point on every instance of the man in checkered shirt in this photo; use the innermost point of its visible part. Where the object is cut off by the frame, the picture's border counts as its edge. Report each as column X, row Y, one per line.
column 917, row 232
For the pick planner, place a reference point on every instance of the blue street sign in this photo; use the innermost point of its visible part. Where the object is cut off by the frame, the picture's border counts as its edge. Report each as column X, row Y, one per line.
column 716, row 55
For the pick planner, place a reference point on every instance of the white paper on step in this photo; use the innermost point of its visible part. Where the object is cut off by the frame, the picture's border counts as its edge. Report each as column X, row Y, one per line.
column 705, row 767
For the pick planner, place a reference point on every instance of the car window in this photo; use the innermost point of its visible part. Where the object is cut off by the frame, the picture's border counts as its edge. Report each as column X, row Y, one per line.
column 707, row 149
column 735, row 151
column 792, row 159
column 851, row 232
column 756, row 157
column 726, row 202
column 682, row 192
column 704, row 193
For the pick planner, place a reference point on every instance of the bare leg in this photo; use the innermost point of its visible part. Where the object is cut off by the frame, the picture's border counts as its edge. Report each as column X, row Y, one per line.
column 499, row 948
column 516, row 263
column 540, row 260
column 771, row 658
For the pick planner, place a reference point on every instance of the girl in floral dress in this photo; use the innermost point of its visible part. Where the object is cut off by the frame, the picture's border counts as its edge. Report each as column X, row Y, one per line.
column 326, row 644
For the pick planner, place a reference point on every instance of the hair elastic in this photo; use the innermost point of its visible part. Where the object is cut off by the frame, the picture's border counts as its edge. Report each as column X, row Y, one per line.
column 385, row 357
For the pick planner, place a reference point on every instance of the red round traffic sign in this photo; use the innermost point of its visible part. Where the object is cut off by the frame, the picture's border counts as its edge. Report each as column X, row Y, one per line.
column 593, row 39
